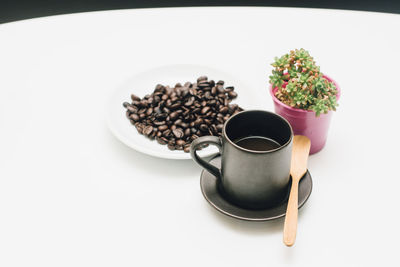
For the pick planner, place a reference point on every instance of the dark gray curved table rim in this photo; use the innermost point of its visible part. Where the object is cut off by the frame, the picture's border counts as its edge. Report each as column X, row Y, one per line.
column 208, row 184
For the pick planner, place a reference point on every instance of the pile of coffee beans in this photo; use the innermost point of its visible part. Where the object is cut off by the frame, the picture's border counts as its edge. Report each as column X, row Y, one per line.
column 177, row 116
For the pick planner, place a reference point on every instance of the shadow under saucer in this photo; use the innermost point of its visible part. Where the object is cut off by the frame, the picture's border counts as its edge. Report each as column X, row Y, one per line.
column 209, row 188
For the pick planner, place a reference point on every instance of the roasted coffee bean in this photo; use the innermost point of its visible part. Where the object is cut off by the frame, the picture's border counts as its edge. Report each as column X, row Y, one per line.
column 223, row 109
column 207, row 121
column 186, row 148
column 232, row 94
column 232, row 108
column 178, row 115
column 171, row 147
column 205, row 110
column 226, row 102
column 151, row 101
column 148, row 130
column 167, row 133
column 184, row 125
column 159, row 88
column 134, row 117
column 187, row 132
column 157, row 100
column 190, row 102
column 185, row 92
column 139, row 129
column 220, row 89
column 208, row 96
column 203, row 84
column 175, row 105
column 149, row 111
column 196, row 110
column 157, row 93
column 168, row 90
column 135, row 97
column 180, row 142
column 212, row 103
column 178, row 133
column 136, row 103
column 185, row 113
column 162, row 127
column 157, row 110
column 159, row 123
column 173, row 115
column 202, row 78
column 214, row 129
column 131, row 109
column 198, row 121
column 160, row 141
column 161, row 116
column 203, row 127
column 178, row 122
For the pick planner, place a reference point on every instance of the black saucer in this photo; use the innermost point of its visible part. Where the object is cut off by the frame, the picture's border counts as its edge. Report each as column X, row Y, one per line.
column 210, row 191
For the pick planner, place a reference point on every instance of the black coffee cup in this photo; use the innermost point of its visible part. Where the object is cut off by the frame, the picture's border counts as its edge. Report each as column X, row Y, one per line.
column 254, row 174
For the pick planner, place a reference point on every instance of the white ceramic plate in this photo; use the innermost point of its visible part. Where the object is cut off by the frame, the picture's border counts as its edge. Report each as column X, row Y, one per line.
column 144, row 83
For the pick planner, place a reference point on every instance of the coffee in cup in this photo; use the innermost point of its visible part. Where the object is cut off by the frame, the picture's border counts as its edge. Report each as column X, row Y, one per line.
column 255, row 149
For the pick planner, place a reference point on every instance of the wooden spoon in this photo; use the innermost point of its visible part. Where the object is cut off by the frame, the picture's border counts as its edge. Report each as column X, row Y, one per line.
column 298, row 167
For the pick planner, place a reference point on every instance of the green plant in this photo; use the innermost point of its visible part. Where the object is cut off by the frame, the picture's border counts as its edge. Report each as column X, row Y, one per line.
column 301, row 84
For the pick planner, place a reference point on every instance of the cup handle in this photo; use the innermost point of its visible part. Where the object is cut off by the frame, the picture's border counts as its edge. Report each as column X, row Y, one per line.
column 213, row 140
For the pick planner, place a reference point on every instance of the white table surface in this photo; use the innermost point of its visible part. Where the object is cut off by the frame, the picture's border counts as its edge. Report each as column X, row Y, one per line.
column 73, row 195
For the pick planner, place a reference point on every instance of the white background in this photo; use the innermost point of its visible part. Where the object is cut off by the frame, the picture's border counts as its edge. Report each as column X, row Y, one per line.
column 73, row 195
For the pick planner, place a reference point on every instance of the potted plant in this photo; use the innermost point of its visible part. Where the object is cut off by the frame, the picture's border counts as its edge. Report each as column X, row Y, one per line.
column 304, row 96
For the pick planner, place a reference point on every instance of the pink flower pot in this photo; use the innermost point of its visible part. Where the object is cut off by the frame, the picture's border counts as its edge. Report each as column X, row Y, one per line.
column 304, row 122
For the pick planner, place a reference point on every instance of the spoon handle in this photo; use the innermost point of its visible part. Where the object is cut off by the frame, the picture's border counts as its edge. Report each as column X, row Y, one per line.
column 290, row 228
